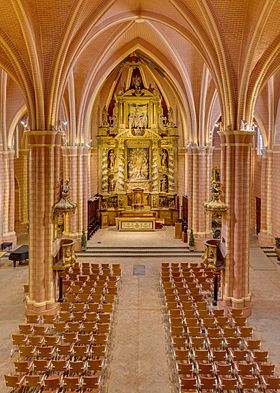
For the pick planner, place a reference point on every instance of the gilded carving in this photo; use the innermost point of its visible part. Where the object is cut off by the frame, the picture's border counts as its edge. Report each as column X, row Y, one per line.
column 138, row 144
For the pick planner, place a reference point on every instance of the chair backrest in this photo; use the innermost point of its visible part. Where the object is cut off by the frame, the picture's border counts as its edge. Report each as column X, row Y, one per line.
column 14, row 381
column 71, row 382
column 91, row 382
column 52, row 382
column 188, row 383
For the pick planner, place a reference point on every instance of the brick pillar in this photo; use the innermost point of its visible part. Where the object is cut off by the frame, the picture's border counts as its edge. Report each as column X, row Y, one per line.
column 199, row 172
column 265, row 236
column 42, row 188
column 1, row 195
column 9, row 197
column 75, row 168
column 236, row 160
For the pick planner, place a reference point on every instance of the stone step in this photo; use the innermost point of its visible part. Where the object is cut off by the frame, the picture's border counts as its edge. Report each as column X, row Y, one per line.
column 126, row 252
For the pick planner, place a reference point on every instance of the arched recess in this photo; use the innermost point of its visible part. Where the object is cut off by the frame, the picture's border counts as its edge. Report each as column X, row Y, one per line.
column 92, row 89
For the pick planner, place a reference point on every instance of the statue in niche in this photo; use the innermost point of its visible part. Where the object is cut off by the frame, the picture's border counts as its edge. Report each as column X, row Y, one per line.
column 170, row 120
column 136, row 80
column 164, row 184
column 164, row 159
column 114, row 117
column 111, row 159
column 105, row 115
column 130, row 120
column 111, row 183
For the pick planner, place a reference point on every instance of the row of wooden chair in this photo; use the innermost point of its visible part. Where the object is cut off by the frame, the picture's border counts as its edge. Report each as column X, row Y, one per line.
column 67, row 351
column 53, row 383
column 210, row 350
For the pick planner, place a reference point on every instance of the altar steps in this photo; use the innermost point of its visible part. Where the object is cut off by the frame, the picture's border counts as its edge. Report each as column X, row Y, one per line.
column 139, row 252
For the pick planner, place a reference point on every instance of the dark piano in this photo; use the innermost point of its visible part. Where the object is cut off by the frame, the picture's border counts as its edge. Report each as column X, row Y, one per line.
column 20, row 254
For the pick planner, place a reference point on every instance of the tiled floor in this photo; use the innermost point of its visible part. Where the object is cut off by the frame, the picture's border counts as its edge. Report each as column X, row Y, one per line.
column 139, row 361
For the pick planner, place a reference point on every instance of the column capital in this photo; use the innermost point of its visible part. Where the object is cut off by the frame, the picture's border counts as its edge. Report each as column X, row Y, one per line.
column 44, row 138
column 240, row 138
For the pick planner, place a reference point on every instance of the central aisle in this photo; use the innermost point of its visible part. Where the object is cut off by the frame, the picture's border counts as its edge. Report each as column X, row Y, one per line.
column 139, row 360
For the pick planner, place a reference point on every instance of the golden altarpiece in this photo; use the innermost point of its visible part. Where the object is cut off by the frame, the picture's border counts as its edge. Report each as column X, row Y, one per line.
column 137, row 147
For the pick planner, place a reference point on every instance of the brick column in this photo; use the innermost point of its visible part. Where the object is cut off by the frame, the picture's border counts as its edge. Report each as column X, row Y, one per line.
column 265, row 236
column 199, row 172
column 236, row 160
column 1, row 195
column 42, row 168
column 9, row 197
column 75, row 168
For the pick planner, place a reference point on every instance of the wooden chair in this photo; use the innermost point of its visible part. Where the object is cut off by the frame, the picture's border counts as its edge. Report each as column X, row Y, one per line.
column 41, row 366
column 94, row 366
column 19, row 339
column 233, row 342
column 34, row 381
column 81, row 351
column 77, row 367
column 220, row 355
column 36, row 340
column 224, row 369
column 23, row 366
column 98, row 351
column 207, row 384
column 90, row 383
column 253, row 345
column 27, row 351
column 265, row 369
column 15, row 381
column 69, row 337
column 244, row 368
column 228, row 384
column 32, row 318
column 51, row 340
column 85, row 338
column 71, row 383
column 59, row 366
column 52, row 384
column 181, row 355
column 249, row 383
column 216, row 343
column 197, row 342
column 64, row 350
column 205, row 369
column 239, row 355
column 271, row 383
column 245, row 331
column 259, row 356
column 188, row 384
column 25, row 328
column 49, row 319
column 100, row 339
column 40, row 330
column 46, row 352
column 185, row 370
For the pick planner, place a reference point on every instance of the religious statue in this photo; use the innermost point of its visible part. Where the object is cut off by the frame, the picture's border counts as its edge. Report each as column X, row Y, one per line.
column 114, row 118
column 164, row 159
column 130, row 120
column 65, row 190
column 111, row 159
column 170, row 120
column 105, row 122
column 164, row 184
column 111, row 183
column 136, row 82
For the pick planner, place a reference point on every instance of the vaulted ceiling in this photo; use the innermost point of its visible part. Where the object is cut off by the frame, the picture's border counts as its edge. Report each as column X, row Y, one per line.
column 210, row 57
